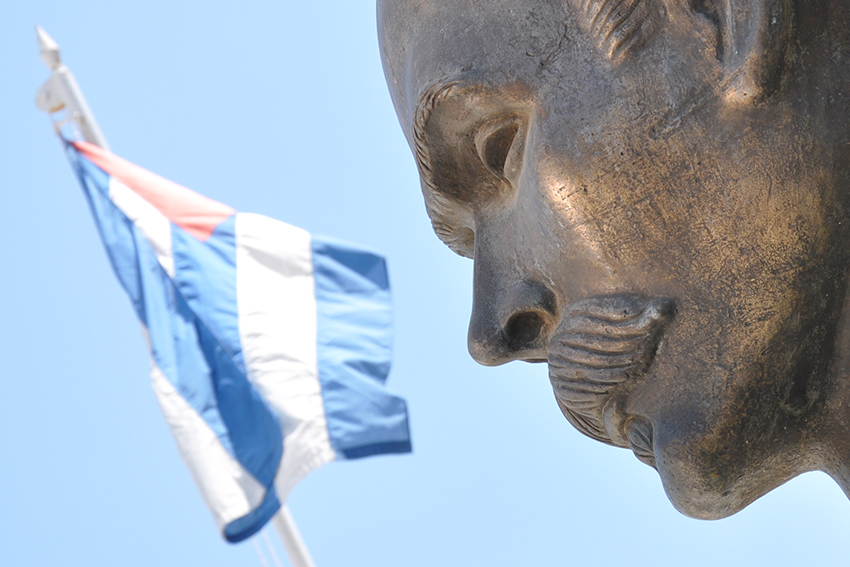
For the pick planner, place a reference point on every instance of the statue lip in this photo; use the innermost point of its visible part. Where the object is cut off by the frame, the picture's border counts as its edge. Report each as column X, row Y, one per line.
column 604, row 343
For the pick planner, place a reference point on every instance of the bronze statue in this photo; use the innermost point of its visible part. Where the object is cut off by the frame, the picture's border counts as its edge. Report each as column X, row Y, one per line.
column 656, row 195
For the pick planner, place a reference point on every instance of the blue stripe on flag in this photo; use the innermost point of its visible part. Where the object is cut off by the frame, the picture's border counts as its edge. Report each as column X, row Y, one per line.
column 205, row 275
column 248, row 525
column 208, row 372
column 354, row 348
column 116, row 230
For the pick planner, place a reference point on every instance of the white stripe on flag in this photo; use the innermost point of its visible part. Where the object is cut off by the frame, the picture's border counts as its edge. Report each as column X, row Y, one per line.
column 227, row 489
column 153, row 224
column 277, row 326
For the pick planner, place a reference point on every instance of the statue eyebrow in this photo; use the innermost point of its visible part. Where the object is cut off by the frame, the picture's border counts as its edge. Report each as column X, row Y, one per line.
column 620, row 26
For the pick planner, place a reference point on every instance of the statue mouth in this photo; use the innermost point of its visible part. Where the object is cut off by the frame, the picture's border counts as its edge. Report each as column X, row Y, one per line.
column 602, row 346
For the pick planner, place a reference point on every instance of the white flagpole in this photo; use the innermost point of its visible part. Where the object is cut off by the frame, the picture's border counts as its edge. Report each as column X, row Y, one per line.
column 289, row 535
column 61, row 92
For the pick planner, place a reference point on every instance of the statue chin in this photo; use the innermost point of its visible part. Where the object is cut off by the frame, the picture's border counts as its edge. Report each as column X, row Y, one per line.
column 655, row 197
column 702, row 505
column 699, row 496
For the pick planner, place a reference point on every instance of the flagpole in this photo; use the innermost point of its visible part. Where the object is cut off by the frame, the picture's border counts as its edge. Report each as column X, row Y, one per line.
column 61, row 92
column 289, row 535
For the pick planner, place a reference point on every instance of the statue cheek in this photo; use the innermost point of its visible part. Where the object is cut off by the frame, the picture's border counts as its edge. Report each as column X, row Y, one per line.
column 572, row 241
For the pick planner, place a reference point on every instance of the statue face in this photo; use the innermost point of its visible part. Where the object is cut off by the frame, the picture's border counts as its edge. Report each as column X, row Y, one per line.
column 660, row 223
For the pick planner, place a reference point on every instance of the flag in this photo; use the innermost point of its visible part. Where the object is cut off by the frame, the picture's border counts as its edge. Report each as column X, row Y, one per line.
column 269, row 346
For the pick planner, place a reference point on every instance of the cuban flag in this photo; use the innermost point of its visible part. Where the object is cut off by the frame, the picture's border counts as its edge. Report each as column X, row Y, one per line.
column 269, row 346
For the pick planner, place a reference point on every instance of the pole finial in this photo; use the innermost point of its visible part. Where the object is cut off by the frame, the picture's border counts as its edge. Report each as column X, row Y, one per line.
column 49, row 49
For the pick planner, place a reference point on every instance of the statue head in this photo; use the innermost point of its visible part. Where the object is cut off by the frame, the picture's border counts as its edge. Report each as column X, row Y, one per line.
column 655, row 196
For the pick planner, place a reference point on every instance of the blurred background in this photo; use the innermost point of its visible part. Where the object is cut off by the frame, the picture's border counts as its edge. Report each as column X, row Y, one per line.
column 281, row 108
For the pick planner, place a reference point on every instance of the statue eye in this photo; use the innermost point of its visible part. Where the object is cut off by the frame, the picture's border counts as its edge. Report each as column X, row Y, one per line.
column 495, row 143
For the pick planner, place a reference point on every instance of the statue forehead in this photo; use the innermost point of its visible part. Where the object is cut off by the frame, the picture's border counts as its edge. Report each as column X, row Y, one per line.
column 424, row 41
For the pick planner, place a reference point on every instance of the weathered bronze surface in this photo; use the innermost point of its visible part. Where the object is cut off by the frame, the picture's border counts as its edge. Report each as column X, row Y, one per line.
column 656, row 194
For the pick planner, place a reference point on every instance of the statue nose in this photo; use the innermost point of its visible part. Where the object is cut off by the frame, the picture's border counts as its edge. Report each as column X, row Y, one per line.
column 512, row 324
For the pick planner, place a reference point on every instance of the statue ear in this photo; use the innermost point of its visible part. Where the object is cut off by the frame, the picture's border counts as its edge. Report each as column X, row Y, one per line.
column 753, row 37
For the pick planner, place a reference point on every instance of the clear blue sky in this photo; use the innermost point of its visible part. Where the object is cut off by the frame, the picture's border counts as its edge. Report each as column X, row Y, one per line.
column 280, row 108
